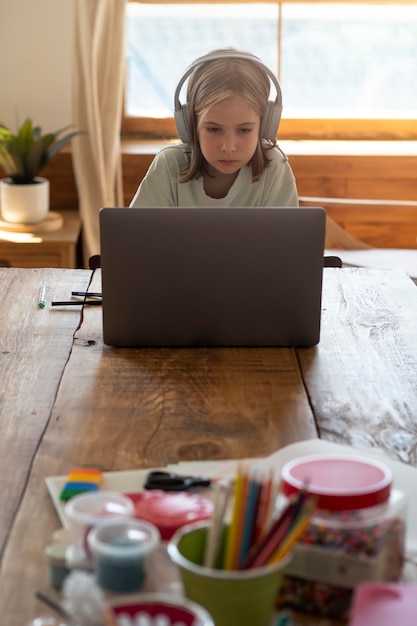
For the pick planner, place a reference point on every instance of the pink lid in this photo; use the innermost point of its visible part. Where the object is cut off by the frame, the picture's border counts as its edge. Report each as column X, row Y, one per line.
column 384, row 604
column 170, row 510
column 340, row 482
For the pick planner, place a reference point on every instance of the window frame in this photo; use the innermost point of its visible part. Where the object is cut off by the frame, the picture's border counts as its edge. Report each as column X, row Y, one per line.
column 290, row 128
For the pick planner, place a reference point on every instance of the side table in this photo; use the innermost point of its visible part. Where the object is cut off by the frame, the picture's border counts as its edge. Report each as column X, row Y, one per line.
column 41, row 247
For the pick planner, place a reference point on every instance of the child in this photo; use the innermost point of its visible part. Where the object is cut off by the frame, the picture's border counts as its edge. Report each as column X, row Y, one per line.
column 228, row 126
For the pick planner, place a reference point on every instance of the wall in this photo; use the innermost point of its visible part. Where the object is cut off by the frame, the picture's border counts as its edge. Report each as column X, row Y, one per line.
column 35, row 62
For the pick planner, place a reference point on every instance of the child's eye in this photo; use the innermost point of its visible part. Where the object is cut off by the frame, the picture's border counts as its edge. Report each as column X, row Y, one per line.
column 213, row 129
column 245, row 131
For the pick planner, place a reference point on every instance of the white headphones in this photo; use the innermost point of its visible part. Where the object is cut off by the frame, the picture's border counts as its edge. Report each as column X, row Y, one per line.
column 271, row 118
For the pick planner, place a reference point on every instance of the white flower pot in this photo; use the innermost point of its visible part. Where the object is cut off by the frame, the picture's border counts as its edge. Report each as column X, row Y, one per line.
column 24, row 204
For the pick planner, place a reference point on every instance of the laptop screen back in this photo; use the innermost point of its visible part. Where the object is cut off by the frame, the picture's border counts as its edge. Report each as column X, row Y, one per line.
column 212, row 276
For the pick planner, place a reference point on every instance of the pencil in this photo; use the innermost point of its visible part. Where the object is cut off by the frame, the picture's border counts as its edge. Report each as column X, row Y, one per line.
column 234, row 534
column 248, row 519
column 215, row 529
column 270, row 543
column 296, row 531
column 87, row 294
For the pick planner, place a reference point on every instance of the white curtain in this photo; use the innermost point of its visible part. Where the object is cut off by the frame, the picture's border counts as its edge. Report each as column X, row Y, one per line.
column 98, row 85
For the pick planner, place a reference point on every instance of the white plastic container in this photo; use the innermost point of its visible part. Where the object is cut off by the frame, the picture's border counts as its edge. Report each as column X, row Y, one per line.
column 86, row 510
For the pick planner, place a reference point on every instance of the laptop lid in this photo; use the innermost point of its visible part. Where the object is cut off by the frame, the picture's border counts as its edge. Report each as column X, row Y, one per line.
column 212, row 276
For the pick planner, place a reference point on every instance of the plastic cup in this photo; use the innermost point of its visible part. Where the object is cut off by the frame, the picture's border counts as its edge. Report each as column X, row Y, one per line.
column 232, row 597
column 86, row 510
column 119, row 548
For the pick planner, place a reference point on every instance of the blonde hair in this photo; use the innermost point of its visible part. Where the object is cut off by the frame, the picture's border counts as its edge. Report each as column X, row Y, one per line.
column 213, row 82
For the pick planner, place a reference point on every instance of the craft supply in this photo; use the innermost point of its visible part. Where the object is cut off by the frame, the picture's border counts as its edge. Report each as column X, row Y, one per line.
column 170, row 511
column 76, row 302
column 79, row 481
column 119, row 548
column 252, row 540
column 235, row 530
column 83, row 512
column 239, row 597
column 266, row 506
column 42, row 295
column 58, row 569
column 158, row 609
column 384, row 604
column 356, row 534
column 85, row 602
column 216, row 527
column 168, row 481
column 87, row 294
column 52, row 604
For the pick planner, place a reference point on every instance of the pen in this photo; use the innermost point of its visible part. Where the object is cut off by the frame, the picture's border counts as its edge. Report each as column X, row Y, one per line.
column 91, row 294
column 42, row 295
column 76, row 303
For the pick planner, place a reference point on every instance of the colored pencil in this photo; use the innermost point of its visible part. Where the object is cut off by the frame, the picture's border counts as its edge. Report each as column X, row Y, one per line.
column 249, row 519
column 270, row 542
column 235, row 528
column 214, row 532
column 297, row 530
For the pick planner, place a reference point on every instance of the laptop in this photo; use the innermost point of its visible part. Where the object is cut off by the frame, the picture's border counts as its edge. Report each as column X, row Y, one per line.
column 212, row 276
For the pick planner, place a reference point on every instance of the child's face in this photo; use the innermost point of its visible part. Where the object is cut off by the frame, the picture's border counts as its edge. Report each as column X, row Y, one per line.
column 228, row 135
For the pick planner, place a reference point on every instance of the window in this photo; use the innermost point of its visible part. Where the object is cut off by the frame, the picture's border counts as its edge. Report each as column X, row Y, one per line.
column 346, row 69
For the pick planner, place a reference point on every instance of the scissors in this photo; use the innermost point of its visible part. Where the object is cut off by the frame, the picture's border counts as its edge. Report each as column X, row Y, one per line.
column 166, row 481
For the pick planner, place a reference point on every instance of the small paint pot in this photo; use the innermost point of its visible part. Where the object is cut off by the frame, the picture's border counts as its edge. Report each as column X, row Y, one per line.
column 120, row 548
column 86, row 510
column 58, row 570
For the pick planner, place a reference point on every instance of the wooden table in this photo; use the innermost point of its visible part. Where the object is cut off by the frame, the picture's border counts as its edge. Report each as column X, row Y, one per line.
column 67, row 400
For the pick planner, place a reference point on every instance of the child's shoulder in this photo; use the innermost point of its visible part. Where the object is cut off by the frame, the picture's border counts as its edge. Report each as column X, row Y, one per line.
column 174, row 152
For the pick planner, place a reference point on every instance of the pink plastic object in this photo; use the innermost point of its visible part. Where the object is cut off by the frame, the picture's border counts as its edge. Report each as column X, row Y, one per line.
column 169, row 511
column 384, row 604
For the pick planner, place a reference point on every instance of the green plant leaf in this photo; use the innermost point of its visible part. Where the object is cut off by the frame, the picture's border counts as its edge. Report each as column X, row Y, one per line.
column 25, row 154
column 61, row 143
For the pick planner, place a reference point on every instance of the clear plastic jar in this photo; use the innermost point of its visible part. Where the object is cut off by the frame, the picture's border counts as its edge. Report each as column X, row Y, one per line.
column 357, row 533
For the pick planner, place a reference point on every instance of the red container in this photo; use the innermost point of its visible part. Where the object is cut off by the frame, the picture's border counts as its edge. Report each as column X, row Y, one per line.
column 153, row 605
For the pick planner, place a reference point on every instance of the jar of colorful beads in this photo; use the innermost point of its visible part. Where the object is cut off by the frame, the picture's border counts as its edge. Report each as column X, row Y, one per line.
column 356, row 534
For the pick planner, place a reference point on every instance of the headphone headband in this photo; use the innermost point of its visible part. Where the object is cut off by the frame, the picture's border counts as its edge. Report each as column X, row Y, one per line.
column 270, row 119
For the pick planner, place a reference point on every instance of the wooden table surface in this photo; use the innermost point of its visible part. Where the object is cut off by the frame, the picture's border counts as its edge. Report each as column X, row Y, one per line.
column 67, row 400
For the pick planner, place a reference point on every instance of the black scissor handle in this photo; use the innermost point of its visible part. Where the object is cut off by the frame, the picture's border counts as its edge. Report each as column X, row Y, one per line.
column 167, row 481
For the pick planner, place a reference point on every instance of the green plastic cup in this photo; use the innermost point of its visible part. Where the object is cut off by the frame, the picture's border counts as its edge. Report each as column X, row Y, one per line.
column 232, row 597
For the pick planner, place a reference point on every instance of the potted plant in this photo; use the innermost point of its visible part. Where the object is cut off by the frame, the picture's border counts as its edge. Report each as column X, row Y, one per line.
column 24, row 195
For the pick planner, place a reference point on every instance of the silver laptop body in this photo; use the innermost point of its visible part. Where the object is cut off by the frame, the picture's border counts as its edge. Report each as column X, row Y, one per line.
column 212, row 276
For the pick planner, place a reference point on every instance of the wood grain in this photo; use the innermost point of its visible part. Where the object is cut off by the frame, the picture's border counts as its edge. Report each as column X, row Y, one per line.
column 362, row 378
column 68, row 400
column 35, row 346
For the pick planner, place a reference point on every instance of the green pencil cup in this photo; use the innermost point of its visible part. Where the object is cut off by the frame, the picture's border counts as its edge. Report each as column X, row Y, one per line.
column 232, row 597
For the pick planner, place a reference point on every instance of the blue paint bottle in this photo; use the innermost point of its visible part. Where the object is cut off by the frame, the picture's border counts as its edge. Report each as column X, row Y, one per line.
column 120, row 547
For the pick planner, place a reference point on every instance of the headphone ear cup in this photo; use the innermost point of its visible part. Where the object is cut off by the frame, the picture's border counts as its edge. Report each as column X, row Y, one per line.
column 271, row 120
column 181, row 121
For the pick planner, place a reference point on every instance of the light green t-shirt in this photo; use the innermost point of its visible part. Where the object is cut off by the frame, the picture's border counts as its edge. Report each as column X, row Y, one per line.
column 159, row 188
